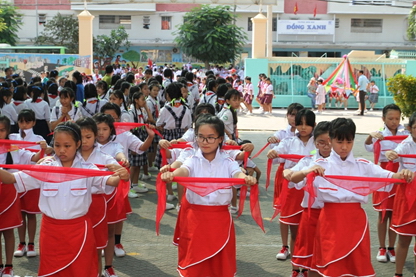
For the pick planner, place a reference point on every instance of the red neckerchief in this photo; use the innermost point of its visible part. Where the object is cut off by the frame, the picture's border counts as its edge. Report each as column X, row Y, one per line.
column 177, row 104
column 52, row 96
column 17, row 103
column 189, row 84
column 377, row 146
column 39, row 100
column 209, row 93
column 92, row 101
column 220, row 101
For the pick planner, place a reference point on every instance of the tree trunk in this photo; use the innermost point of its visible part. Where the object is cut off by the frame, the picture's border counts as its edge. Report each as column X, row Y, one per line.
column 207, row 65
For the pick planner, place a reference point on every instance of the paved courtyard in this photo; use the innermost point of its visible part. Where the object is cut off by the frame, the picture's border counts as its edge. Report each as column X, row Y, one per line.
column 151, row 255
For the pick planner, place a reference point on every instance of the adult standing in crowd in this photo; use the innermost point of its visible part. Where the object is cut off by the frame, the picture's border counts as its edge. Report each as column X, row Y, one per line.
column 312, row 91
column 362, row 88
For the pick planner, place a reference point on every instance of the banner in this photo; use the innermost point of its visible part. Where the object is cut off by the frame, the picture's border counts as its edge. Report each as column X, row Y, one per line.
column 305, row 27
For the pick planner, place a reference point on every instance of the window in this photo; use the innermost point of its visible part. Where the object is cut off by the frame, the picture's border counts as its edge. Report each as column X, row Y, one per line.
column 250, row 24
column 336, row 22
column 366, row 25
column 42, row 18
column 373, row 2
column 146, row 22
column 166, row 22
column 114, row 21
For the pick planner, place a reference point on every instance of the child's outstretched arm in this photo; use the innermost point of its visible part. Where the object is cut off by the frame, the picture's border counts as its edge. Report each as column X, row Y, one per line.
column 406, row 174
column 37, row 156
column 6, row 177
column 298, row 176
column 119, row 174
column 375, row 135
column 180, row 172
column 149, row 140
column 250, row 180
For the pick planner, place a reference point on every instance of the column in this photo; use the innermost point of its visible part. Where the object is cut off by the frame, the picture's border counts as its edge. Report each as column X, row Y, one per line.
column 85, row 35
column 259, row 36
column 269, row 31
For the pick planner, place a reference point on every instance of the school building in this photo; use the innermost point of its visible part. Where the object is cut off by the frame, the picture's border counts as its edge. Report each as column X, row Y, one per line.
column 307, row 28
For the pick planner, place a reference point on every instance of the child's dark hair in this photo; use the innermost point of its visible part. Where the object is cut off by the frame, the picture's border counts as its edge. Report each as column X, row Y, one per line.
column 342, row 129
column 231, row 94
column 119, row 94
column 117, row 85
column 108, row 69
column 88, row 123
column 189, row 77
column 68, row 127
column 412, row 119
column 389, row 107
column 52, row 87
column 220, row 81
column 36, row 90
column 130, row 78
column 111, row 107
column 211, row 84
column 212, row 120
column 154, row 84
column 90, row 91
column 159, row 79
column 19, row 93
column 26, row 115
column 222, row 90
column 107, row 119
column 294, row 107
column 136, row 96
column 321, row 128
column 114, row 80
column 70, row 84
column 204, row 107
column 124, row 86
column 4, row 92
column 148, row 72
column 174, row 91
column 103, row 85
column 6, row 122
column 248, row 78
column 67, row 92
column 168, row 73
column 306, row 114
column 77, row 75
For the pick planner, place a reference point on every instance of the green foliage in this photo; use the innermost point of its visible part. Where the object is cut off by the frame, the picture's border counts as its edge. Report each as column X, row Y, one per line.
column 107, row 46
column 132, row 56
column 411, row 26
column 403, row 88
column 9, row 23
column 210, row 35
column 61, row 30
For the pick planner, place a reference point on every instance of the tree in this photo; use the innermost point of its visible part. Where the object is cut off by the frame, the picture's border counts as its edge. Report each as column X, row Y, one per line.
column 132, row 56
column 10, row 20
column 105, row 47
column 411, row 28
column 61, row 30
column 210, row 35
column 403, row 88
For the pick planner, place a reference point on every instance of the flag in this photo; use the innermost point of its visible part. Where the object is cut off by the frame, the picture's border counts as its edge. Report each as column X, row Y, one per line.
column 314, row 11
column 295, row 8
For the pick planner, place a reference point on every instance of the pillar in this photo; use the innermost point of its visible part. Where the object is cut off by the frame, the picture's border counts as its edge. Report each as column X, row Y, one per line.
column 269, row 45
column 259, row 36
column 85, row 35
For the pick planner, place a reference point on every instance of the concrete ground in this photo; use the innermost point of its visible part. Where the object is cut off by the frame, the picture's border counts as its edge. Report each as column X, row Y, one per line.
column 151, row 255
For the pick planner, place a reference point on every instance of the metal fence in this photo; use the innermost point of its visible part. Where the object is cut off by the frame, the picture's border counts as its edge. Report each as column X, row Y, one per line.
column 290, row 77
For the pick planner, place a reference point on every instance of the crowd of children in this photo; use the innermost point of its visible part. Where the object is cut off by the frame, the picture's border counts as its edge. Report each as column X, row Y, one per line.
column 81, row 125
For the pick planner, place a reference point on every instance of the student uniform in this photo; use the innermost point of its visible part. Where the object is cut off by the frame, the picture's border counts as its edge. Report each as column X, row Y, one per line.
column 193, row 98
column 140, row 116
column 64, row 207
column 43, row 116
column 154, row 109
column 98, row 208
column 10, row 215
column 342, row 217
column 292, row 210
column 53, row 100
column 175, row 120
column 209, row 97
column 303, row 250
column 91, row 106
column 74, row 113
column 116, row 212
column 268, row 94
column 282, row 134
column 9, row 111
column 29, row 200
column 403, row 220
column 227, row 117
column 206, row 222
column 386, row 145
column 19, row 105
column 248, row 93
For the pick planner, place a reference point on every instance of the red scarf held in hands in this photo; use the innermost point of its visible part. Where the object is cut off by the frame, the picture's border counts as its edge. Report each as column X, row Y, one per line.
column 7, row 145
column 122, row 127
column 204, row 186
column 184, row 145
column 359, row 185
column 377, row 146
